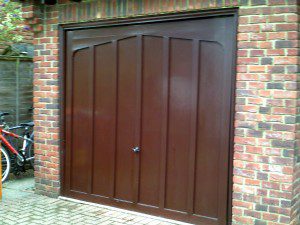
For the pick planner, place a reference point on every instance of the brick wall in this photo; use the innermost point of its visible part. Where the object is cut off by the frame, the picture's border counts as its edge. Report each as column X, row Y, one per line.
column 265, row 164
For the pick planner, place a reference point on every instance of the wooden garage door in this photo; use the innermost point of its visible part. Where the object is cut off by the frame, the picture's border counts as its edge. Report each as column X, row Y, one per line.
column 148, row 115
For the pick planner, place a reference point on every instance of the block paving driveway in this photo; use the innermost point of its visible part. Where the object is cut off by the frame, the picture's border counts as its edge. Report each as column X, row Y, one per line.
column 21, row 206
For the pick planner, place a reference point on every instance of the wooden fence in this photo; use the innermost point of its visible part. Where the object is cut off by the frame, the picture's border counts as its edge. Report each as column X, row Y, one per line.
column 16, row 87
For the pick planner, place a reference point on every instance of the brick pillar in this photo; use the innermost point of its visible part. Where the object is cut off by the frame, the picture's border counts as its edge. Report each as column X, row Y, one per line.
column 265, row 113
column 44, row 23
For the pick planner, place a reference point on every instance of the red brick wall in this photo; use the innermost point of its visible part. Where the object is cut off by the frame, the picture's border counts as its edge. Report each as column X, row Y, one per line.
column 265, row 165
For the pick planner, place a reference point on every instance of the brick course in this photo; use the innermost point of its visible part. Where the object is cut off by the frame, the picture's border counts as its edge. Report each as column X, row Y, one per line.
column 266, row 179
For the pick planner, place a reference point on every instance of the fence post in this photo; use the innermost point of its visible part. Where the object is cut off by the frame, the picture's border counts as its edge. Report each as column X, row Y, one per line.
column 17, row 91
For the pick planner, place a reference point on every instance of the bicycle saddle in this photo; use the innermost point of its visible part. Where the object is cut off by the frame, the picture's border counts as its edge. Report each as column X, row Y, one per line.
column 4, row 114
column 29, row 124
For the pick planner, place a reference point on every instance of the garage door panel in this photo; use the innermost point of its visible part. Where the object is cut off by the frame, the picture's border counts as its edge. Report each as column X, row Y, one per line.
column 126, row 118
column 165, row 87
column 209, row 130
column 152, row 109
column 105, row 119
column 82, row 109
column 179, row 123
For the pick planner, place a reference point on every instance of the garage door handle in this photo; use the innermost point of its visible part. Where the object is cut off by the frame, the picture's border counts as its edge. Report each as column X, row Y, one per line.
column 136, row 149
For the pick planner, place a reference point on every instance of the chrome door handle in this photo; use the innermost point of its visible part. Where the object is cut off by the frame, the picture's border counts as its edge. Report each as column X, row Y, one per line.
column 136, row 149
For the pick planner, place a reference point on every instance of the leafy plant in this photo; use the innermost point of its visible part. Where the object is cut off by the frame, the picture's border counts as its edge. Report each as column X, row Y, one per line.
column 11, row 22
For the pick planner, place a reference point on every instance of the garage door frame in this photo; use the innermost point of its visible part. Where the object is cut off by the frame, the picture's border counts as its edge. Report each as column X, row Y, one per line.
column 64, row 28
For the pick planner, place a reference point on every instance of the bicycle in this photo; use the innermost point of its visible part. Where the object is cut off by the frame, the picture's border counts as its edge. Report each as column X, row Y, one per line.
column 20, row 155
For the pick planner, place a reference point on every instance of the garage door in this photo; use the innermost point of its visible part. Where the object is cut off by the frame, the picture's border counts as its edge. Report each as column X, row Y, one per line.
column 148, row 117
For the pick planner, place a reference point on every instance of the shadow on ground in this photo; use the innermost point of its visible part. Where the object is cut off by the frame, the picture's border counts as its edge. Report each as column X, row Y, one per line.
column 18, row 188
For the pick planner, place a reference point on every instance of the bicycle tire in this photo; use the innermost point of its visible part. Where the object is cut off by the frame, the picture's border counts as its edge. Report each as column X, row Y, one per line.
column 6, row 164
column 30, row 153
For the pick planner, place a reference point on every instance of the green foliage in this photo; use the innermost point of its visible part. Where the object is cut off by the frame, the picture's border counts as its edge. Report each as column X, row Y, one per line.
column 11, row 21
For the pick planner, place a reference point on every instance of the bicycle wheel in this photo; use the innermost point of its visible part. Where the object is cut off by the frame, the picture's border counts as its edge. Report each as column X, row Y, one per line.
column 6, row 164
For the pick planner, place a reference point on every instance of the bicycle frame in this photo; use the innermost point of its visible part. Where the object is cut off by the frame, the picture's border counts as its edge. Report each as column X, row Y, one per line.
column 6, row 143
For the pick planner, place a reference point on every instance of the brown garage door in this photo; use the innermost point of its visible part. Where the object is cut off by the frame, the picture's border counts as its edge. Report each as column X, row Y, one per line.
column 148, row 116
